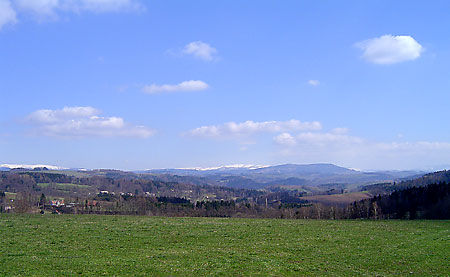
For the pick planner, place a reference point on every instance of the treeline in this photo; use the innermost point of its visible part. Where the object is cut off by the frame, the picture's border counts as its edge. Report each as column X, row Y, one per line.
column 426, row 202
column 272, row 205
column 181, row 207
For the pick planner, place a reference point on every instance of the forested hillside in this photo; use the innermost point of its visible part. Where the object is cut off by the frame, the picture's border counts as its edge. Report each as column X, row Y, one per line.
column 427, row 179
column 61, row 185
column 424, row 202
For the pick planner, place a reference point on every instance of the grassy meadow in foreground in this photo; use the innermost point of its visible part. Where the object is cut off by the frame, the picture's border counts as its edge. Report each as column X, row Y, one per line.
column 127, row 245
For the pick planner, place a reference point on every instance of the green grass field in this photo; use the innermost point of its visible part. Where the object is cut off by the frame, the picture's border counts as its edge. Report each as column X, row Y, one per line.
column 10, row 195
column 62, row 185
column 53, row 245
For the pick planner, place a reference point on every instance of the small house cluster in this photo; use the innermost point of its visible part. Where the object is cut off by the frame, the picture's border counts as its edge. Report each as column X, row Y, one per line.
column 57, row 203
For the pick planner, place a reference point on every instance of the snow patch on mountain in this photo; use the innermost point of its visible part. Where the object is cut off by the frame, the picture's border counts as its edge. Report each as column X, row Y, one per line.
column 32, row 166
column 233, row 166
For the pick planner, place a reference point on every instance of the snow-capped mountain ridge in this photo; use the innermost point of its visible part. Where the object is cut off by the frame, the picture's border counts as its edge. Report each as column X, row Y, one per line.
column 32, row 166
column 233, row 166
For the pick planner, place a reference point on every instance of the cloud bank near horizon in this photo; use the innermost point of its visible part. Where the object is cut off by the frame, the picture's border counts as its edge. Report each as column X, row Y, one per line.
column 294, row 141
column 338, row 146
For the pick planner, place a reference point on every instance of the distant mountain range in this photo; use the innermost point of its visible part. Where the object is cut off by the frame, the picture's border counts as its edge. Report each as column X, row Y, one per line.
column 308, row 177
column 4, row 167
column 261, row 169
column 227, row 167
column 287, row 175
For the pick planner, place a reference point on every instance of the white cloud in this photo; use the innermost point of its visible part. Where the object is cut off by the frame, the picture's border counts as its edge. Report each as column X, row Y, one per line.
column 43, row 9
column 7, row 13
column 232, row 129
column 83, row 122
column 285, row 139
column 200, row 50
column 183, row 86
column 389, row 49
column 50, row 116
column 314, row 83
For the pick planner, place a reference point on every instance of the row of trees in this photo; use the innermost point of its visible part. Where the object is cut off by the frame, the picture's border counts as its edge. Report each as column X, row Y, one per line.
column 179, row 207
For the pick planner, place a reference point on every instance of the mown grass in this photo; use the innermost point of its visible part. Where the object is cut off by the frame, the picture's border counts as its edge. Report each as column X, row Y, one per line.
column 53, row 245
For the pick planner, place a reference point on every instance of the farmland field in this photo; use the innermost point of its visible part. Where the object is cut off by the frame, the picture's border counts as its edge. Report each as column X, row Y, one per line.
column 338, row 199
column 129, row 245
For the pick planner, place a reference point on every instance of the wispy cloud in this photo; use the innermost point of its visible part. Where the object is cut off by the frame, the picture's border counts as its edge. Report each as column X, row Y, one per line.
column 78, row 122
column 389, row 49
column 313, row 83
column 52, row 9
column 40, row 8
column 335, row 137
column 100, row 6
column 233, row 129
column 201, row 50
column 183, row 86
column 7, row 13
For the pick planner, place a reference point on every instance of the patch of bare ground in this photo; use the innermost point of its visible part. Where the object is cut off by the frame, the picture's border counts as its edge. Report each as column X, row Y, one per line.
column 338, row 199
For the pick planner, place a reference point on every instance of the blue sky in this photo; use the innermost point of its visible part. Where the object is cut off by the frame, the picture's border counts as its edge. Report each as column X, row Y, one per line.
column 133, row 84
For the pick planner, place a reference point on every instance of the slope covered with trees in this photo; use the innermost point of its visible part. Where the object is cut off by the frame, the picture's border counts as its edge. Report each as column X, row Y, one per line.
column 423, row 202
